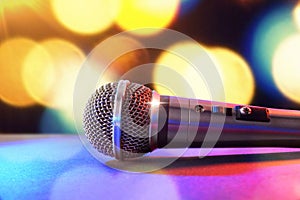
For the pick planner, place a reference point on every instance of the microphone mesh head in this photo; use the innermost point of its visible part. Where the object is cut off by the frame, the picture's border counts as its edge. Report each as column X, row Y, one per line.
column 135, row 120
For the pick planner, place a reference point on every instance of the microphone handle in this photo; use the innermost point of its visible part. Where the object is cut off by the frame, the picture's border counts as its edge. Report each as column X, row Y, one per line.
column 186, row 123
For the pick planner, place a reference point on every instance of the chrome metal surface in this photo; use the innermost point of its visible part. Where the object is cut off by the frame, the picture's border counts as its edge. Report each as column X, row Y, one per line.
column 117, row 118
column 153, row 128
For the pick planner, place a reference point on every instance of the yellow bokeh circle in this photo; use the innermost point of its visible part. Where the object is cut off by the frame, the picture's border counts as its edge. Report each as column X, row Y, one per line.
column 238, row 80
column 136, row 14
column 296, row 15
column 86, row 17
column 13, row 52
column 171, row 67
column 50, row 71
column 236, row 74
column 286, row 70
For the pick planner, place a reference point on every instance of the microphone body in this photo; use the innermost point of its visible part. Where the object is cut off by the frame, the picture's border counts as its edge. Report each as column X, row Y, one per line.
column 185, row 123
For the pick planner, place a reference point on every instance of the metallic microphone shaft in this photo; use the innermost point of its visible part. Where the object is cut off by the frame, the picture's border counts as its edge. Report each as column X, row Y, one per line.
column 185, row 122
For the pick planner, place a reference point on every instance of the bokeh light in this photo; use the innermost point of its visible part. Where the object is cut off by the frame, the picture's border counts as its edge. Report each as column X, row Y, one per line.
column 50, row 72
column 12, row 55
column 164, row 90
column 57, row 121
column 170, row 65
column 12, row 4
column 237, row 76
column 86, row 17
column 121, row 57
column 268, row 31
column 136, row 14
column 122, row 64
column 238, row 80
column 286, row 67
column 296, row 14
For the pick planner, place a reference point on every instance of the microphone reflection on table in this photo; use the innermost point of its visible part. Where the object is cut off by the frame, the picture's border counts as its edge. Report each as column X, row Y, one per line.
column 126, row 120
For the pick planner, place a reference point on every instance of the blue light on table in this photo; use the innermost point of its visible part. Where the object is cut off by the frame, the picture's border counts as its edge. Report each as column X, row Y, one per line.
column 28, row 167
column 59, row 168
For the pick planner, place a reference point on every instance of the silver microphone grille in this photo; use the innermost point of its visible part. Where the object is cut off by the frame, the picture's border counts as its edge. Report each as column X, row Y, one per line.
column 135, row 121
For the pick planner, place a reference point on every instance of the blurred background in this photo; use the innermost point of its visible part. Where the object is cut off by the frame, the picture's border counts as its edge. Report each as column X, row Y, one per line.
column 43, row 44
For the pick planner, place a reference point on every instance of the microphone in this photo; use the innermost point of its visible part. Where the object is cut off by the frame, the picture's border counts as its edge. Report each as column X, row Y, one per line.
column 126, row 120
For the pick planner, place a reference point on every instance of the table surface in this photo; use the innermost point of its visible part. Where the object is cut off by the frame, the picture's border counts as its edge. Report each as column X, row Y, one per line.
column 60, row 167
